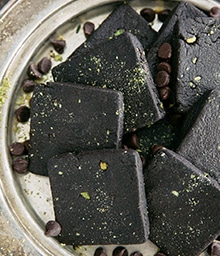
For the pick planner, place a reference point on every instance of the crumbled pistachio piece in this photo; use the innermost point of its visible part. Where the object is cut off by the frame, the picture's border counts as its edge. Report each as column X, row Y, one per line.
column 85, row 195
column 191, row 40
column 103, row 166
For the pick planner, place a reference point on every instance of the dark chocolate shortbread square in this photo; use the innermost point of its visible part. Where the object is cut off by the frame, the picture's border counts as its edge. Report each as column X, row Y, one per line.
column 67, row 117
column 122, row 18
column 183, row 205
column 99, row 197
column 183, row 10
column 196, row 59
column 201, row 135
column 119, row 64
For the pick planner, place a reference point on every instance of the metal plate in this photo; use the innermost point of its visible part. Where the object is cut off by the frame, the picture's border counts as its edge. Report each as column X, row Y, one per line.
column 25, row 30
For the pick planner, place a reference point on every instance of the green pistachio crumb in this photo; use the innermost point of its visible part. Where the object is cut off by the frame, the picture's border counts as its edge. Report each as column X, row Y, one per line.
column 103, row 166
column 85, row 195
column 119, row 32
column 175, row 193
column 191, row 40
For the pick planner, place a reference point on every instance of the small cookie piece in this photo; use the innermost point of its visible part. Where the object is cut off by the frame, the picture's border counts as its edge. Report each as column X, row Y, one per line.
column 99, row 197
column 161, row 133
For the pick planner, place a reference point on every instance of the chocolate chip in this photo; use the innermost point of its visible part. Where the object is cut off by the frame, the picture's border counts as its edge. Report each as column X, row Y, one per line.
column 144, row 162
column 163, row 15
column 130, row 140
column 53, row 228
column 100, row 252
column 156, row 148
column 164, row 66
column 28, row 85
column 17, row 148
column 160, row 254
column 148, row 14
column 165, row 51
column 33, row 72
column 20, row 165
column 58, row 45
column 215, row 248
column 136, row 254
column 175, row 119
column 44, row 65
column 22, row 114
column 88, row 28
column 162, row 79
column 26, row 146
column 120, row 251
column 214, row 12
column 164, row 93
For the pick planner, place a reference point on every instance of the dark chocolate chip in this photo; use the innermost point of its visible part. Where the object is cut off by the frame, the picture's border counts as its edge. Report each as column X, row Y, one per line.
column 28, row 85
column 165, row 51
column 136, row 254
column 162, row 79
column 144, row 162
column 53, row 228
column 120, row 251
column 26, row 145
column 215, row 248
column 20, row 165
column 148, row 14
column 160, row 254
column 164, row 66
column 164, row 93
column 100, row 252
column 58, row 45
column 214, row 12
column 130, row 140
column 156, row 148
column 163, row 15
column 22, row 114
column 17, row 148
column 33, row 72
column 175, row 119
column 44, row 65
column 88, row 28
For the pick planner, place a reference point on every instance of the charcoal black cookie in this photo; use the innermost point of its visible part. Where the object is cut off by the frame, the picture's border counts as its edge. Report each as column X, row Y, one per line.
column 196, row 56
column 161, row 133
column 183, row 10
column 99, row 197
column 183, row 205
column 67, row 117
column 201, row 135
column 122, row 18
column 119, row 64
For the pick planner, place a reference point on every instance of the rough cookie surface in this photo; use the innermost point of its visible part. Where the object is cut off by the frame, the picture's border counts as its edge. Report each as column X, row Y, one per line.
column 68, row 117
column 119, row 64
column 201, row 132
column 198, row 47
column 99, row 197
column 183, row 205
